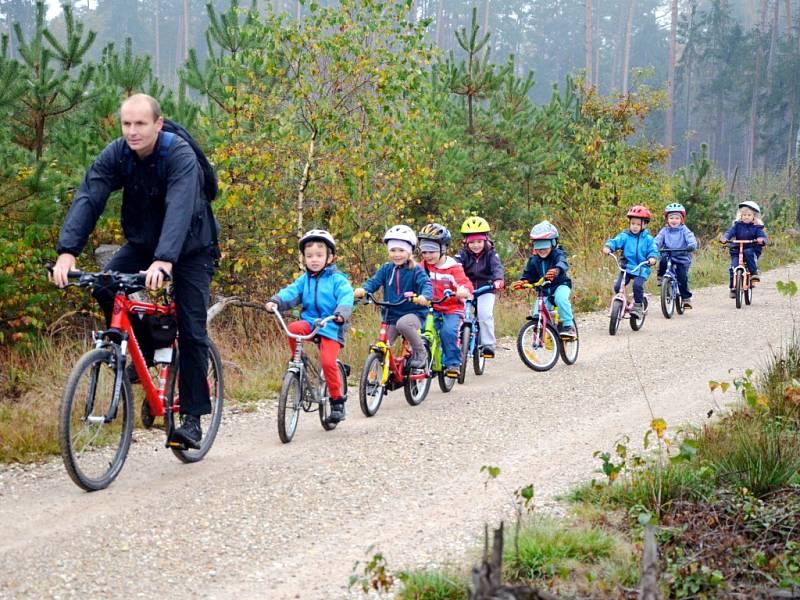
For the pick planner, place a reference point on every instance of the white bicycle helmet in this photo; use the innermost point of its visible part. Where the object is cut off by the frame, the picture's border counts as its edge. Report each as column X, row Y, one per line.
column 403, row 233
column 317, row 235
column 544, row 235
column 751, row 205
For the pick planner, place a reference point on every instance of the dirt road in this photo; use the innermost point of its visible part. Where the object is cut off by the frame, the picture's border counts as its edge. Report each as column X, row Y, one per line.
column 259, row 519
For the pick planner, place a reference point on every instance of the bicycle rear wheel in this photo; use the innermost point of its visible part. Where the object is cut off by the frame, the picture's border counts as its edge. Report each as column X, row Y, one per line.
column 93, row 448
column 370, row 389
column 446, row 383
column 569, row 348
column 216, row 395
column 667, row 298
column 289, row 406
column 465, row 336
column 416, row 390
column 615, row 318
column 478, row 359
column 538, row 346
column 325, row 400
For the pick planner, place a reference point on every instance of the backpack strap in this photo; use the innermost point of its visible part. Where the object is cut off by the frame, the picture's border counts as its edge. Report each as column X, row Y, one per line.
column 165, row 140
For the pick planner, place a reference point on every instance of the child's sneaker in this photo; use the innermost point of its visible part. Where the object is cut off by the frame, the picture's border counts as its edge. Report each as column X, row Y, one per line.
column 638, row 310
column 488, row 351
column 659, row 280
column 732, row 293
column 754, row 279
column 337, row 411
column 567, row 332
column 417, row 362
column 687, row 304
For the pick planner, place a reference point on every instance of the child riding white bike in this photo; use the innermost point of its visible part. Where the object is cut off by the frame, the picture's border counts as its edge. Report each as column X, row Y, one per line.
column 323, row 290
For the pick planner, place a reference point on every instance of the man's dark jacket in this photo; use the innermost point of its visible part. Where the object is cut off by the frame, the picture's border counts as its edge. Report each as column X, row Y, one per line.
column 167, row 217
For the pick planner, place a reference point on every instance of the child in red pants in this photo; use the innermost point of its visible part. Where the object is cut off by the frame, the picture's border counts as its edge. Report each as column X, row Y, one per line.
column 323, row 291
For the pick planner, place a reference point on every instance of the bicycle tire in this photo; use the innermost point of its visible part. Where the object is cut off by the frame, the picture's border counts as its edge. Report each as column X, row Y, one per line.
column 637, row 324
column 369, row 386
column 667, row 298
column 478, row 359
column 416, row 390
column 532, row 339
column 446, row 384
column 210, row 423
column 465, row 335
column 325, row 404
column 289, row 399
column 679, row 304
column 570, row 348
column 748, row 294
column 100, row 366
column 615, row 318
column 737, row 285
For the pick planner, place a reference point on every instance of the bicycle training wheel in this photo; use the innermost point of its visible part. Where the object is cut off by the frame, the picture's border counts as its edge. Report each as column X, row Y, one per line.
column 370, row 390
column 636, row 323
column 289, row 406
column 538, row 347
column 416, row 390
column 465, row 336
column 325, row 405
column 210, row 422
column 617, row 310
column 667, row 298
column 478, row 359
column 738, row 288
column 569, row 348
column 93, row 447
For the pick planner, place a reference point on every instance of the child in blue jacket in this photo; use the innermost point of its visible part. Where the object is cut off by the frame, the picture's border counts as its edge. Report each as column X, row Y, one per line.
column 747, row 226
column 677, row 236
column 322, row 290
column 637, row 246
column 398, row 276
column 550, row 261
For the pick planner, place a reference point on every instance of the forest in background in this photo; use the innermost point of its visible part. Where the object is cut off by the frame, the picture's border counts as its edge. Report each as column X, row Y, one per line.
column 350, row 115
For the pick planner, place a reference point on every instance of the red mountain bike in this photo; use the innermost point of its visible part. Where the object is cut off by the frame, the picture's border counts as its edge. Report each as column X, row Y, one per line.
column 96, row 417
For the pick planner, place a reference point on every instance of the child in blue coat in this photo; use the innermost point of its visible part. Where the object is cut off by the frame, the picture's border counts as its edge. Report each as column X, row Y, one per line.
column 637, row 246
column 550, row 261
column 677, row 236
column 747, row 226
column 323, row 291
column 398, row 276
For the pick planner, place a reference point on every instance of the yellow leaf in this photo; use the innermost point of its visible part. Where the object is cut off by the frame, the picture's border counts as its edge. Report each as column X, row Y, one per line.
column 659, row 426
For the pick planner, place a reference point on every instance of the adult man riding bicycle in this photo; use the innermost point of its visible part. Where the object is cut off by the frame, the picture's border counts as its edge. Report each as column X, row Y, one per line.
column 169, row 227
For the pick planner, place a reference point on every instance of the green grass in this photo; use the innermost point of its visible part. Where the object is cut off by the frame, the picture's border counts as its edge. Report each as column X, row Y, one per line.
column 432, row 585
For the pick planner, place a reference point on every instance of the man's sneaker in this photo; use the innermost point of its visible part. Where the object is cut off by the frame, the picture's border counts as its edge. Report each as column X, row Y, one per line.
column 488, row 351
column 189, row 433
column 687, row 304
column 568, row 332
column 133, row 376
column 337, row 411
column 638, row 310
column 659, row 280
column 451, row 372
column 732, row 294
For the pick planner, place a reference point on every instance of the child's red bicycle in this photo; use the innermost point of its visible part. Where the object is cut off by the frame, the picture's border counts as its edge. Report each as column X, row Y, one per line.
column 742, row 287
column 96, row 417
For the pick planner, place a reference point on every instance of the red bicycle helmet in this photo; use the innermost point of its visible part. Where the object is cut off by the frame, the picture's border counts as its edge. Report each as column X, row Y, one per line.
column 640, row 212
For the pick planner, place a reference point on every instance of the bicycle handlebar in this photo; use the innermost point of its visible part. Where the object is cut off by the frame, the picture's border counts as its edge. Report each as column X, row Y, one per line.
column 317, row 326
column 671, row 250
column 127, row 282
column 624, row 269
column 739, row 242
column 484, row 289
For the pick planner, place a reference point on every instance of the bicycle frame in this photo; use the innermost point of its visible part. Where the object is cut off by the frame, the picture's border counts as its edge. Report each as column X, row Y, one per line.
column 471, row 317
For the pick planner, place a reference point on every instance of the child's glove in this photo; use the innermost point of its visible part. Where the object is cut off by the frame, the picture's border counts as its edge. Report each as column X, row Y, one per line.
column 551, row 274
column 338, row 318
column 499, row 284
column 651, row 261
column 606, row 250
column 421, row 300
column 519, row 284
column 359, row 293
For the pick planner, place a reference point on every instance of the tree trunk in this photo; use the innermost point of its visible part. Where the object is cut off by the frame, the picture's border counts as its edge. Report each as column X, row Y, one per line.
column 788, row 9
column 626, row 60
column 301, row 191
column 158, row 38
column 756, row 89
column 650, row 589
column 689, row 64
column 673, row 32
column 439, row 23
column 588, row 44
column 185, row 30
column 486, row 17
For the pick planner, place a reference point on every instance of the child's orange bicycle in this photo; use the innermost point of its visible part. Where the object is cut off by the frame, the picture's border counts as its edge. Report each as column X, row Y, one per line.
column 742, row 287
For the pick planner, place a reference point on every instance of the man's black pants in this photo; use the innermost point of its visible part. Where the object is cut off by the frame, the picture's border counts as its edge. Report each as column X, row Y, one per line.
column 192, row 282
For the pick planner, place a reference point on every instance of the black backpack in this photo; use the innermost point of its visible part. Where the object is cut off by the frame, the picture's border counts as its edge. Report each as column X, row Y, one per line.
column 168, row 132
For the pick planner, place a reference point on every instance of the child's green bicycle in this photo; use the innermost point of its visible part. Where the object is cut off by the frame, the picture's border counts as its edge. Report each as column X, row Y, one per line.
column 433, row 344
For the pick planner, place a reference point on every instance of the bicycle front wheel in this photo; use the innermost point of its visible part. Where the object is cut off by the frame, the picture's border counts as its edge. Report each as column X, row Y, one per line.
column 370, row 388
column 464, row 337
column 748, row 293
column 210, row 422
column 94, row 443
column 446, row 383
column 325, row 406
column 478, row 359
column 289, row 407
column 738, row 287
column 615, row 318
column 538, row 346
column 667, row 298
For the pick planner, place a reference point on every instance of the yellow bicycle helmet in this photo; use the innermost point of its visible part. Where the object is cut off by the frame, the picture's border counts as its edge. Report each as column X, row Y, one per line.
column 475, row 224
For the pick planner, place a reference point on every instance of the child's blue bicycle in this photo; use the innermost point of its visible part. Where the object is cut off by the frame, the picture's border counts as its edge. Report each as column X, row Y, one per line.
column 470, row 336
column 671, row 299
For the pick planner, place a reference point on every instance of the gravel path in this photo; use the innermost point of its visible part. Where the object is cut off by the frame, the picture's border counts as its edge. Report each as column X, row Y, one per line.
column 259, row 519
